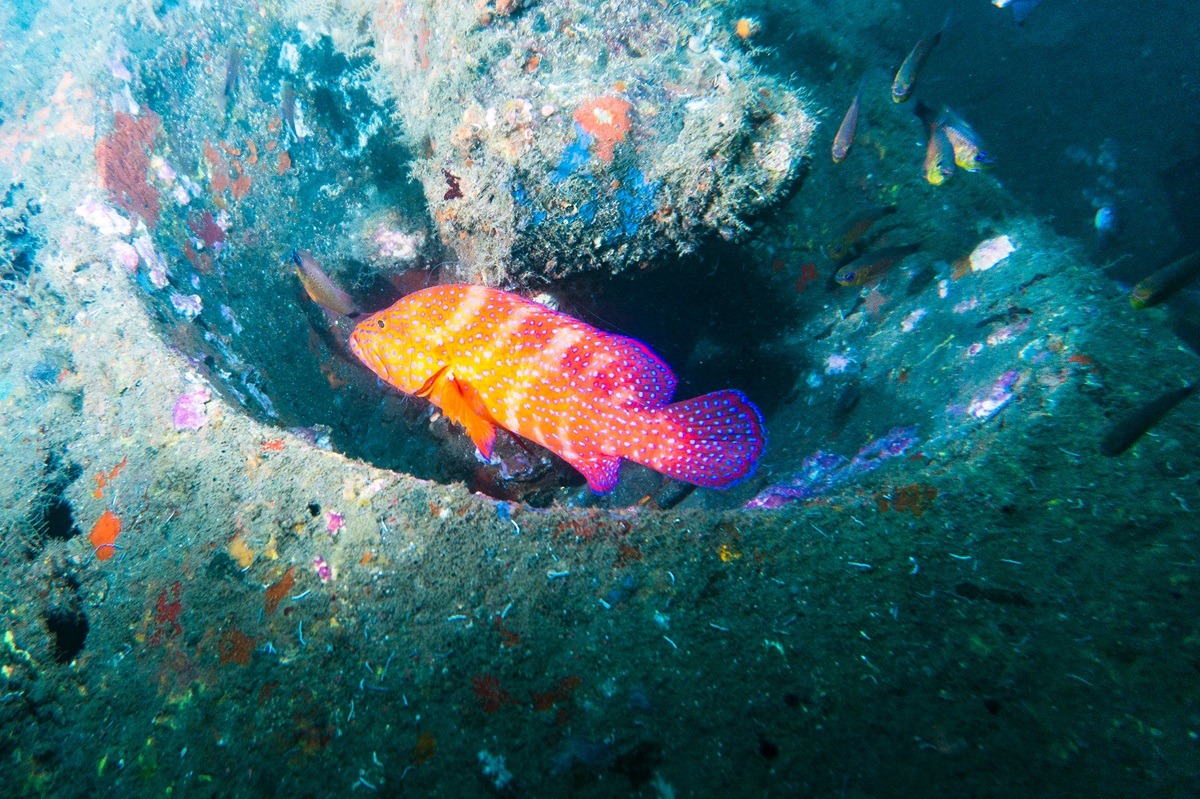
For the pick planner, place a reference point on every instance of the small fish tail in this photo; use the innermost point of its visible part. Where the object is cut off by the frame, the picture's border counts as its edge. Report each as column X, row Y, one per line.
column 711, row 441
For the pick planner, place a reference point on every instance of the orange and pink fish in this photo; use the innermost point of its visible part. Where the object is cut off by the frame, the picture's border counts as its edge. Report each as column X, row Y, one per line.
column 489, row 359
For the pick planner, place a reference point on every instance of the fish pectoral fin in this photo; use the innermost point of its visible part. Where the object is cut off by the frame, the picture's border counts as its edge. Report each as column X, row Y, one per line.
column 426, row 389
column 462, row 405
column 599, row 470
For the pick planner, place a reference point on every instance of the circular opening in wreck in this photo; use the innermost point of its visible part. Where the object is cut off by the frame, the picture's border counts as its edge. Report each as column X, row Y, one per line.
column 258, row 162
column 304, row 164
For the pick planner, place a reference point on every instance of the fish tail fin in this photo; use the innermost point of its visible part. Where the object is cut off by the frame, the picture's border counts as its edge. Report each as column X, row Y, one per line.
column 711, row 441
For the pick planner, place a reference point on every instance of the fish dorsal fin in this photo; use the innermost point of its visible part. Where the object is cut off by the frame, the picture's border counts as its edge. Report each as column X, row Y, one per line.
column 637, row 378
column 461, row 404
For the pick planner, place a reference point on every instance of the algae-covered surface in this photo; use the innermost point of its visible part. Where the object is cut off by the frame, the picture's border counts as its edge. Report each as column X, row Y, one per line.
column 236, row 564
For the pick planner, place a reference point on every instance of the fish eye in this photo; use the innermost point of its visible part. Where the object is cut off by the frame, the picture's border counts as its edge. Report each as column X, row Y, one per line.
column 380, row 324
column 847, row 276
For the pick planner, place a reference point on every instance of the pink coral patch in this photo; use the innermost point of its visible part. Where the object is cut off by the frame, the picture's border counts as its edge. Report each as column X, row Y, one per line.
column 189, row 412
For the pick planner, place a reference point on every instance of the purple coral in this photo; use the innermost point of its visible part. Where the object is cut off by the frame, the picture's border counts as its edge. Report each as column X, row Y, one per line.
column 984, row 406
column 323, row 569
column 189, row 412
column 188, row 306
column 823, row 471
column 819, row 472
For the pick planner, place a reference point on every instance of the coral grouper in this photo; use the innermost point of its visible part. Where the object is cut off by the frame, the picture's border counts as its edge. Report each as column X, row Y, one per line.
column 489, row 358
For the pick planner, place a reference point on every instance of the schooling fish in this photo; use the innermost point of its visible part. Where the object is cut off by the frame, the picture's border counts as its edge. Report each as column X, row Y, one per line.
column 1021, row 8
column 1107, row 223
column 1166, row 281
column 491, row 359
column 873, row 265
column 940, row 152
column 845, row 131
column 969, row 151
column 1125, row 432
column 857, row 226
column 906, row 77
column 287, row 109
column 320, row 287
column 939, row 156
column 233, row 70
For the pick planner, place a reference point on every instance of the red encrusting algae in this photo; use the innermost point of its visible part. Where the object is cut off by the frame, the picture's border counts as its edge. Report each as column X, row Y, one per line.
column 278, row 590
column 562, row 691
column 207, row 230
column 234, row 646
column 489, row 693
column 104, row 478
column 915, row 499
column 218, row 178
column 166, row 614
column 123, row 159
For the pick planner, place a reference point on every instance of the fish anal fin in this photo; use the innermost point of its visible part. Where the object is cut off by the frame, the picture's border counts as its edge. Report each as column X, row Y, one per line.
column 462, row 405
column 599, row 470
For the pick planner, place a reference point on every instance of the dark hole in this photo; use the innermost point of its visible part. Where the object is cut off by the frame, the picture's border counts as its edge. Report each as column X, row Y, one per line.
column 992, row 705
column 767, row 748
column 58, row 521
column 638, row 763
column 70, row 629
column 46, row 754
column 706, row 336
column 791, row 700
column 53, row 516
column 314, row 509
column 1184, row 199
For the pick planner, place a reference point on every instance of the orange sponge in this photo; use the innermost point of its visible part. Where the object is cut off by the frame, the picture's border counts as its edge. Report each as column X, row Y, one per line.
column 605, row 119
column 104, row 535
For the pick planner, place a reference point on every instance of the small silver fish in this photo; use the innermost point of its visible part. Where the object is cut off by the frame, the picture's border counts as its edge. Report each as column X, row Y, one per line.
column 906, row 76
column 845, row 132
column 1107, row 223
column 1021, row 8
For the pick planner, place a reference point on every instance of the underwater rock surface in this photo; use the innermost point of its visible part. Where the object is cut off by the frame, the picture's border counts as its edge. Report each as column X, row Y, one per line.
column 560, row 138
